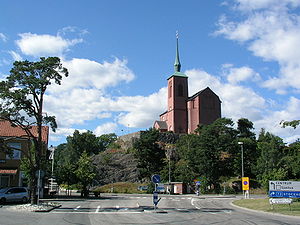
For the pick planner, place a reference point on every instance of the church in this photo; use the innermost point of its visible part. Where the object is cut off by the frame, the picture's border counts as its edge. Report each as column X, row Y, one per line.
column 185, row 113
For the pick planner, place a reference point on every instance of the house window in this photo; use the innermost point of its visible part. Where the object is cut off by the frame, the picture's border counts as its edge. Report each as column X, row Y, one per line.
column 16, row 153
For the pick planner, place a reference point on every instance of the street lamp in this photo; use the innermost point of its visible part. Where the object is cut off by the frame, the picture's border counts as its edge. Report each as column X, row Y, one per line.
column 52, row 149
column 241, row 144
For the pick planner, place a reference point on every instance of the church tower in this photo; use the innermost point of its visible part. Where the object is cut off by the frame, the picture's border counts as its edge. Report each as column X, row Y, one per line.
column 177, row 98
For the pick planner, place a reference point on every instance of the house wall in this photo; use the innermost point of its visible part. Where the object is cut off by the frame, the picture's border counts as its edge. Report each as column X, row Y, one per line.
column 9, row 164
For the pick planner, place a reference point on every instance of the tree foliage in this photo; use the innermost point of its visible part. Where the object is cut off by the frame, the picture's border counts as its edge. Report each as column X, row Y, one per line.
column 22, row 94
column 149, row 154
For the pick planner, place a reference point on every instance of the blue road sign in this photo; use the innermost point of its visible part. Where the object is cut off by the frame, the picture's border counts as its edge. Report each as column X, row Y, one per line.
column 284, row 194
column 155, row 198
column 198, row 182
column 155, row 178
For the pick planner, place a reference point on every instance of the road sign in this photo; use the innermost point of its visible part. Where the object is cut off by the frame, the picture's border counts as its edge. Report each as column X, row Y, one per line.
column 245, row 183
column 160, row 187
column 155, row 178
column 284, row 189
column 280, row 201
column 284, row 194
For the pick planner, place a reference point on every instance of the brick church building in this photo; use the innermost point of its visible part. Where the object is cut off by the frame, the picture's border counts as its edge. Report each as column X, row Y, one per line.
column 185, row 113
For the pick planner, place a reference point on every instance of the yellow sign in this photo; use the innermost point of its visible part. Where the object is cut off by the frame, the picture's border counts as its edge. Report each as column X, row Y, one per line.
column 245, row 183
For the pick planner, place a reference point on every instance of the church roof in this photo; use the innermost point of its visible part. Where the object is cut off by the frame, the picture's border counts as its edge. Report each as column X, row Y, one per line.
column 177, row 65
column 161, row 124
column 201, row 92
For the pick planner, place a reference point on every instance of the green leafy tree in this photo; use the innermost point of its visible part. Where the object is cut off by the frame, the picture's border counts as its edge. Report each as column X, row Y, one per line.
column 149, row 154
column 106, row 140
column 85, row 172
column 216, row 145
column 68, row 154
column 270, row 160
column 292, row 160
column 22, row 94
column 293, row 123
column 250, row 154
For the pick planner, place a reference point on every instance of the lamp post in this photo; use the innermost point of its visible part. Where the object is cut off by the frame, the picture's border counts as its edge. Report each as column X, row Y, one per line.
column 242, row 149
column 52, row 149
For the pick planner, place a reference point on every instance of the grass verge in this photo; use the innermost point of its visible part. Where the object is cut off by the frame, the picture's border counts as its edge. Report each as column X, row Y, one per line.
column 264, row 205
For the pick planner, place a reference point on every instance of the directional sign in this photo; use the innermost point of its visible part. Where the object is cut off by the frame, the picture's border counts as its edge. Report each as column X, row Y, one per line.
column 160, row 187
column 245, row 183
column 155, row 178
column 284, row 189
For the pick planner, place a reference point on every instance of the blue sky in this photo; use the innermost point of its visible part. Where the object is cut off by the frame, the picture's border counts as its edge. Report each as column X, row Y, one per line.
column 120, row 52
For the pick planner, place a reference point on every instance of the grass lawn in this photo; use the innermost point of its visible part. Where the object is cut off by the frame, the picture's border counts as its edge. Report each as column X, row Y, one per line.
column 264, row 205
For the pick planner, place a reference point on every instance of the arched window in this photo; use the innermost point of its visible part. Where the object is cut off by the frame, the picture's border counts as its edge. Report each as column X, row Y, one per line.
column 180, row 90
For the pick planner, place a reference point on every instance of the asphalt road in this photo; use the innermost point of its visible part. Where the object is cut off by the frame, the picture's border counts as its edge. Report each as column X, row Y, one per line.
column 138, row 209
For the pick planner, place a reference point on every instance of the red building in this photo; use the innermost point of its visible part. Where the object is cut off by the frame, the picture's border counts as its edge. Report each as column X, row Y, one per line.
column 185, row 113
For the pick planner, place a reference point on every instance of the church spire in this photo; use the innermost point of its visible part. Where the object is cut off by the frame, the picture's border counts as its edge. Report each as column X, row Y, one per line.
column 177, row 64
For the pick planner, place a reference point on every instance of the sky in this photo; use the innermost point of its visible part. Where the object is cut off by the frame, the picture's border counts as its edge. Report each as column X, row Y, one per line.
column 119, row 54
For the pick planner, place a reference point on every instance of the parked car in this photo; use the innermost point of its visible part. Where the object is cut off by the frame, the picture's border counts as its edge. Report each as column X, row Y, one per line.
column 14, row 194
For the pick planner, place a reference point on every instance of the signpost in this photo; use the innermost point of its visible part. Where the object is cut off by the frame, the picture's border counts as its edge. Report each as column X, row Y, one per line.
column 245, row 186
column 156, row 180
column 284, row 189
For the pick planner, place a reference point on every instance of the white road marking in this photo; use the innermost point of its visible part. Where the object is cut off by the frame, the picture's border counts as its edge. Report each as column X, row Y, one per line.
column 98, row 208
column 77, row 207
column 122, row 212
column 193, row 203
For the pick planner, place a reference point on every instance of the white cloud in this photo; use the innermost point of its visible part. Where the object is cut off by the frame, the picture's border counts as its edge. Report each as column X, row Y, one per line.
column 141, row 111
column 237, row 101
column 63, row 132
column 44, row 44
column 106, row 128
column 236, row 75
column 273, row 118
column 15, row 56
column 271, row 32
column 3, row 37
column 85, row 73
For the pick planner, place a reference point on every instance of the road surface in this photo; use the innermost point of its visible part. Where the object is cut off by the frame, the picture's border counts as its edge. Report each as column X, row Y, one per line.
column 138, row 209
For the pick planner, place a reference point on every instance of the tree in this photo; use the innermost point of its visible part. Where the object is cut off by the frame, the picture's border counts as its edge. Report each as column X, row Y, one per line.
column 22, row 95
column 148, row 153
column 67, row 155
column 247, row 137
column 85, row 172
column 106, row 140
column 292, row 159
column 270, row 164
column 217, row 147
column 293, row 123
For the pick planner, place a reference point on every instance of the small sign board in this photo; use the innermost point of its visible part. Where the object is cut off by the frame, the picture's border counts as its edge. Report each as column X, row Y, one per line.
column 245, row 183
column 198, row 182
column 284, row 189
column 160, row 187
column 155, row 178
column 280, row 201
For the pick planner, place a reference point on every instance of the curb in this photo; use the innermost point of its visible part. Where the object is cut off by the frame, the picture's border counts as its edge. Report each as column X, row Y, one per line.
column 47, row 210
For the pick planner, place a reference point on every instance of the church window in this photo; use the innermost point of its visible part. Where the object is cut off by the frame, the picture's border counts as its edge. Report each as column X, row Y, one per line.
column 180, row 90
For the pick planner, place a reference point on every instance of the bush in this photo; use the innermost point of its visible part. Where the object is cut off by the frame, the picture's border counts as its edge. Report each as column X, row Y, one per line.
column 120, row 187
